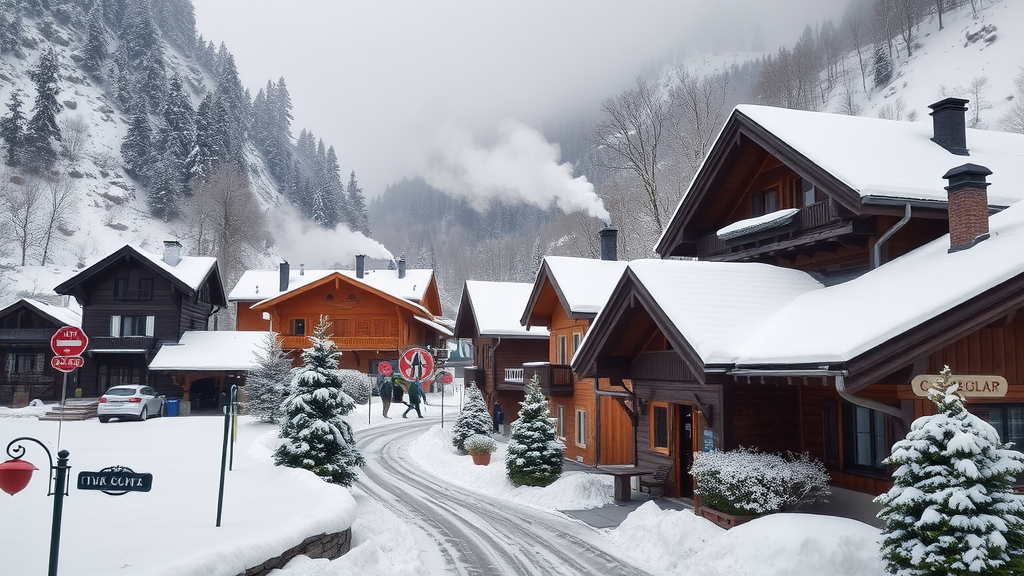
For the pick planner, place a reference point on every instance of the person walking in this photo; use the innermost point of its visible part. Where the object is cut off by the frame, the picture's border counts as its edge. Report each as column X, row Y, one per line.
column 415, row 395
column 385, row 389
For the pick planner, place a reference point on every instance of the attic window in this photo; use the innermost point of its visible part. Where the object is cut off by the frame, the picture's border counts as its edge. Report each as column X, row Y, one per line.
column 352, row 296
column 329, row 297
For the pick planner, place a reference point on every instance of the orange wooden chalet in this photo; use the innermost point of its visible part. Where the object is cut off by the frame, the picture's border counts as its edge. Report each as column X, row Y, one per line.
column 821, row 285
column 375, row 313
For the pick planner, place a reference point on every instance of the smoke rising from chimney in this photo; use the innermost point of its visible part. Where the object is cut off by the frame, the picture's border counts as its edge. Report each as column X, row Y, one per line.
column 316, row 247
column 521, row 165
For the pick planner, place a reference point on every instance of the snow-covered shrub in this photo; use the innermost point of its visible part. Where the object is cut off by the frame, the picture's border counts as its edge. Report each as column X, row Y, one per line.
column 313, row 434
column 480, row 444
column 746, row 481
column 474, row 419
column 355, row 384
column 534, row 456
column 952, row 509
column 266, row 386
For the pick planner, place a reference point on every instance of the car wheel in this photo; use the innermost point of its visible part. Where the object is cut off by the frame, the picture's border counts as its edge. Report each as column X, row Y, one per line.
column 143, row 414
column 104, row 419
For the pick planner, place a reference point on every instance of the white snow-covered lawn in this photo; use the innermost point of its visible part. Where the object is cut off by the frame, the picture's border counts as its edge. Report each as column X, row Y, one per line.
column 171, row 531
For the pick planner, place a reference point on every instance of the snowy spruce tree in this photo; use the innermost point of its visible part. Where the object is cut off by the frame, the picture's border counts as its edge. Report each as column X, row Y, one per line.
column 267, row 384
column 534, row 456
column 314, row 436
column 952, row 509
column 474, row 419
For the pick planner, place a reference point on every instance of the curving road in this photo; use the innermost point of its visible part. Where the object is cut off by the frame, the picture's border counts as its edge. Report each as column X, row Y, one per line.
column 474, row 534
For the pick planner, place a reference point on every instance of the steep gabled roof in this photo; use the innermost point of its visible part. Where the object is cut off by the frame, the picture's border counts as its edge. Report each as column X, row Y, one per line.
column 751, row 317
column 579, row 285
column 493, row 310
column 59, row 315
column 339, row 277
column 862, row 162
column 188, row 275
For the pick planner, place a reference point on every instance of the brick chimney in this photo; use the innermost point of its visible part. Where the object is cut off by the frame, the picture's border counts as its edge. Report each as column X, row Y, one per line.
column 949, row 125
column 401, row 267
column 285, row 271
column 968, row 206
column 609, row 243
column 172, row 252
column 360, row 265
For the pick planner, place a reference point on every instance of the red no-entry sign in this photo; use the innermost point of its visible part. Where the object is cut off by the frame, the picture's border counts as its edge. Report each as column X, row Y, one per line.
column 384, row 368
column 416, row 364
column 69, row 341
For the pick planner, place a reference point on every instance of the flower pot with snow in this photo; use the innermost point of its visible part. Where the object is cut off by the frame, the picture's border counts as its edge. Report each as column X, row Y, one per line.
column 480, row 448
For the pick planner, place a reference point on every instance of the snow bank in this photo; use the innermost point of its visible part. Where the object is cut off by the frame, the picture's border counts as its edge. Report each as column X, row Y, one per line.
column 664, row 540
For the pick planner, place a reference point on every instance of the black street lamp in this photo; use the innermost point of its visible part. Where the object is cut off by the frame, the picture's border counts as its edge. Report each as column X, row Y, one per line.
column 15, row 475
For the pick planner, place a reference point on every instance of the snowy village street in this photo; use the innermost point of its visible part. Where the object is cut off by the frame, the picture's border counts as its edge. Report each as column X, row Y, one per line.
column 469, row 532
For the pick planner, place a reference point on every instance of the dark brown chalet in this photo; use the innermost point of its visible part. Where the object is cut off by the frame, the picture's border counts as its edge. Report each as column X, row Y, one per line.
column 25, row 331
column 789, row 330
column 489, row 315
column 133, row 302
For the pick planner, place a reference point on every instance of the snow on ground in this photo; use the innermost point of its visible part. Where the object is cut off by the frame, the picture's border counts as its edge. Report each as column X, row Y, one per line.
column 268, row 509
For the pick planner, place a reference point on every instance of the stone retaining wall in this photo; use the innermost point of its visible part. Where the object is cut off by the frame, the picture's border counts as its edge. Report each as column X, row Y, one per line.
column 328, row 546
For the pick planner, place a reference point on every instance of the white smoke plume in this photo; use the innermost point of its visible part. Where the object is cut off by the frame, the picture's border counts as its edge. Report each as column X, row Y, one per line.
column 299, row 242
column 520, row 166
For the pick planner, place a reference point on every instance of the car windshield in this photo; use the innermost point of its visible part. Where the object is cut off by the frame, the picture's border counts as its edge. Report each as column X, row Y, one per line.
column 120, row 392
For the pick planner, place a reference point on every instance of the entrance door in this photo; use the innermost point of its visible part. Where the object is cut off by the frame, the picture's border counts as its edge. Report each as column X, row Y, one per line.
column 683, row 450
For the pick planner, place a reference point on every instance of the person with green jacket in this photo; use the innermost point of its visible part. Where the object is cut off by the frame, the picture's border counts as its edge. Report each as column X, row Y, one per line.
column 415, row 395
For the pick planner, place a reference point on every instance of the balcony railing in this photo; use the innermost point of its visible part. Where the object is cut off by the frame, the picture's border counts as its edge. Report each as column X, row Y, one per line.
column 26, row 335
column 17, row 378
column 122, row 343
column 345, row 342
column 556, row 380
column 809, row 217
column 514, row 375
column 476, row 376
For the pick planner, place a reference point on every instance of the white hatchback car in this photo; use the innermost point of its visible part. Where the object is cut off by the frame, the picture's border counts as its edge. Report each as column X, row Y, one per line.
column 129, row 401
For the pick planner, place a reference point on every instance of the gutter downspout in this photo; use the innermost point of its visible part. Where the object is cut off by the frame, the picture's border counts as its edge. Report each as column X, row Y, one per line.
column 494, row 371
column 896, row 413
column 876, row 255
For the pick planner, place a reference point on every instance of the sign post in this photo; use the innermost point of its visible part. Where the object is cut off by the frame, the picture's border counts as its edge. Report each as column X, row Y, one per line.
column 67, row 343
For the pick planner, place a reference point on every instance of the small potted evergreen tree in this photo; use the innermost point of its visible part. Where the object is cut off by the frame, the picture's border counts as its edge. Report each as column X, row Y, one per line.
column 480, row 448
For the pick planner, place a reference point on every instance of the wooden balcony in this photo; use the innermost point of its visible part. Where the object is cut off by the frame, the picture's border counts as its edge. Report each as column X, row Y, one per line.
column 345, row 342
column 472, row 374
column 126, row 343
column 26, row 335
column 556, row 380
column 514, row 375
column 809, row 217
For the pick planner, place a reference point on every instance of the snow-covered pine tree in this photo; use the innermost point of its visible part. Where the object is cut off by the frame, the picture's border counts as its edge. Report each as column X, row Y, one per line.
column 952, row 509
column 534, row 456
column 474, row 418
column 266, row 385
column 882, row 66
column 12, row 129
column 314, row 436
column 94, row 53
column 357, row 206
column 137, row 147
column 11, row 29
column 356, row 385
column 42, row 129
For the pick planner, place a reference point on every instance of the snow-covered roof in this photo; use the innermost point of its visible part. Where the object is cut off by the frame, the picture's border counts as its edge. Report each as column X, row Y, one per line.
column 758, row 223
column 258, row 285
column 437, row 326
column 211, row 350
column 191, row 270
column 893, row 159
column 584, row 283
column 748, row 314
column 498, row 308
column 70, row 316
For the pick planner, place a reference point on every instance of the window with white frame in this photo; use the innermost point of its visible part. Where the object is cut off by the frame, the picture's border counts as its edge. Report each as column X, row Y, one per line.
column 577, row 337
column 581, row 428
column 560, row 423
column 132, row 326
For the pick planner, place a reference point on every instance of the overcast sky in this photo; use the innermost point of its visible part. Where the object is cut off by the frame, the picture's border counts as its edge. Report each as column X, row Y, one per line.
column 391, row 83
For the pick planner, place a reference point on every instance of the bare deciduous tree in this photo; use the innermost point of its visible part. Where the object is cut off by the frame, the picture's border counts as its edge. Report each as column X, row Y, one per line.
column 977, row 92
column 1014, row 119
column 21, row 204
column 58, row 198
column 74, row 136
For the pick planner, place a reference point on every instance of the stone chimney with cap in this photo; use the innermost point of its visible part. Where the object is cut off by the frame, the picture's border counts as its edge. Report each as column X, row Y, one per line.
column 285, row 272
column 360, row 265
column 968, row 205
column 172, row 252
column 949, row 125
column 401, row 267
column 609, row 243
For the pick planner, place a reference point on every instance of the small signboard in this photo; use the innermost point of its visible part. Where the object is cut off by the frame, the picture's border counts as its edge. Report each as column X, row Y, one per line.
column 970, row 386
column 416, row 364
column 709, row 440
column 69, row 341
column 385, row 369
column 67, row 363
column 115, row 481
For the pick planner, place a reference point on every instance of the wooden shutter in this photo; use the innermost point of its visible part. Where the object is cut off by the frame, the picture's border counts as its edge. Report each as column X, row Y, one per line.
column 115, row 326
column 150, row 325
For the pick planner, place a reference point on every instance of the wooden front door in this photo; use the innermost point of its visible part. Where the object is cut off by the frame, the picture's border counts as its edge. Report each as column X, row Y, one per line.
column 682, row 449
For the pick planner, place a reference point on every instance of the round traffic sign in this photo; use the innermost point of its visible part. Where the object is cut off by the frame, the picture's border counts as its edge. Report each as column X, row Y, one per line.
column 69, row 341
column 385, row 368
column 416, row 364
column 448, row 378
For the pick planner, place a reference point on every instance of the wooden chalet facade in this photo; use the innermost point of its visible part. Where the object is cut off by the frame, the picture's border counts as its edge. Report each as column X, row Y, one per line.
column 375, row 314
column 26, row 327
column 799, row 318
column 489, row 316
column 132, row 303
column 589, row 413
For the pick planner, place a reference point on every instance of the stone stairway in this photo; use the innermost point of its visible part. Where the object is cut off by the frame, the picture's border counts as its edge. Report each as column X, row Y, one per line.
column 74, row 409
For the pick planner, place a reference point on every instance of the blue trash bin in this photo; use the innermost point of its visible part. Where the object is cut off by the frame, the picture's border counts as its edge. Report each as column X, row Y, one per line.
column 172, row 406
